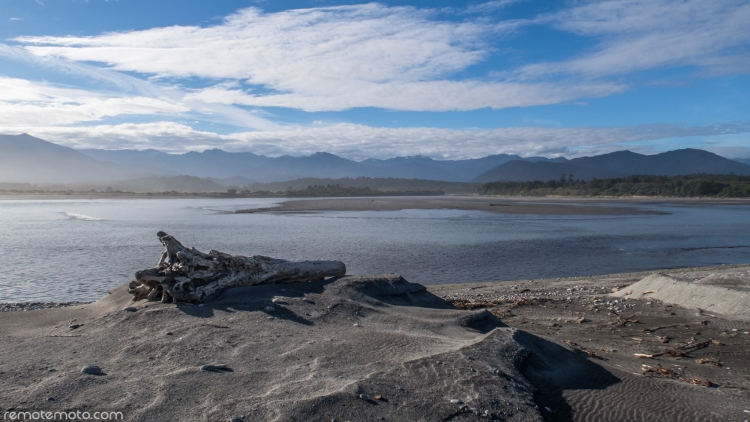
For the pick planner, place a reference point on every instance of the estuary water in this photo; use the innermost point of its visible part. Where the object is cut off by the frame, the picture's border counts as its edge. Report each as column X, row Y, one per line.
column 64, row 250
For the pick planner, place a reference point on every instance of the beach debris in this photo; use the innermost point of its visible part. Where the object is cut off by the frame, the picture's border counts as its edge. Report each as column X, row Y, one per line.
column 588, row 353
column 188, row 275
column 649, row 291
column 651, row 330
column 130, row 309
column 679, row 351
column 92, row 370
column 660, row 371
column 709, row 361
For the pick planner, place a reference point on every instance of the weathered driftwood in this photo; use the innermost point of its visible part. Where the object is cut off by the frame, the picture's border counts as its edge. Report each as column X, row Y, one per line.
column 188, row 275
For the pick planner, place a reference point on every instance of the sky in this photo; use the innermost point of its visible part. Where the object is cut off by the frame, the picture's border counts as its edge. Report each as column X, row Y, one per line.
column 444, row 79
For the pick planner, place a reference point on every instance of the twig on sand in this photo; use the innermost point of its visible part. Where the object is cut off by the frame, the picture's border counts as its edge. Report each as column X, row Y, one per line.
column 679, row 351
column 214, row 325
column 651, row 330
column 587, row 352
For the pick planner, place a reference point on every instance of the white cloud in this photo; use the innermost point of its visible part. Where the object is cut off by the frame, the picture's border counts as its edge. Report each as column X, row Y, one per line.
column 24, row 103
column 414, row 96
column 16, row 19
column 359, row 141
column 332, row 58
column 640, row 35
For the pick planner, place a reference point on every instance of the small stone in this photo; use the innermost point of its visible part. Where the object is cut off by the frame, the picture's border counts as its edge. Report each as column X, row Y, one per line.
column 130, row 309
column 50, row 399
column 270, row 308
column 235, row 420
column 73, row 326
column 455, row 401
column 356, row 324
column 169, row 333
column 92, row 370
column 378, row 397
column 271, row 317
column 278, row 300
column 51, row 370
column 202, row 304
column 364, row 397
column 213, row 368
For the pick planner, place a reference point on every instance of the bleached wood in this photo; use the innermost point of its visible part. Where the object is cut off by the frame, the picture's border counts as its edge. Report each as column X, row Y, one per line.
column 189, row 275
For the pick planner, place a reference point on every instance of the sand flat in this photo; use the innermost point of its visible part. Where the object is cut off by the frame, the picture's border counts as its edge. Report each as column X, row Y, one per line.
column 470, row 203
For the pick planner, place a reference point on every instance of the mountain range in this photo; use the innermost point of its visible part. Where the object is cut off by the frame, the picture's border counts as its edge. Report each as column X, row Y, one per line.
column 24, row 158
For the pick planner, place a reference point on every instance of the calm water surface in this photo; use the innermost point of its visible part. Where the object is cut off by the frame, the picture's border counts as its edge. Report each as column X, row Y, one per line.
column 60, row 250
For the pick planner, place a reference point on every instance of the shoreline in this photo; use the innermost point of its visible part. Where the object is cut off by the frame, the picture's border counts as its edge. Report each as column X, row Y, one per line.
column 222, row 195
column 635, row 275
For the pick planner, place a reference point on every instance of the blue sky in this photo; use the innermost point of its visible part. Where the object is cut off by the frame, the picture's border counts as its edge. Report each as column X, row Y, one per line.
column 444, row 79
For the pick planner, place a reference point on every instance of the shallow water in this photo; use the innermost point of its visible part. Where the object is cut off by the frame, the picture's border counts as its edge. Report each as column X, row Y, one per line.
column 61, row 250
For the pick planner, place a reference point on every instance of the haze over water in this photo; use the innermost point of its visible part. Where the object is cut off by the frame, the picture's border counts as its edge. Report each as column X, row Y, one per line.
column 60, row 250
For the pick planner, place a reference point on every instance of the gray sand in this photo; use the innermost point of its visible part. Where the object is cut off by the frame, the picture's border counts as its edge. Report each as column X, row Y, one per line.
column 381, row 348
column 474, row 203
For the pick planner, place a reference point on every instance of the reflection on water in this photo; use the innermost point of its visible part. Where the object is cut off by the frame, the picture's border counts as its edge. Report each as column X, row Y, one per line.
column 77, row 250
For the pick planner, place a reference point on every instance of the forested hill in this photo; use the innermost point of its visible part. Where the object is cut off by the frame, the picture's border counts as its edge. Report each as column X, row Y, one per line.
column 695, row 185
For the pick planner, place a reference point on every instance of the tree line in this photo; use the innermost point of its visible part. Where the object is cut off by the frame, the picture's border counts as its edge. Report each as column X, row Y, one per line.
column 692, row 185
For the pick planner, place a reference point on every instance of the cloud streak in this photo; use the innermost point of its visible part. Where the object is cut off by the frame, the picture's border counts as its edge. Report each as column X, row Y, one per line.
column 324, row 59
column 642, row 35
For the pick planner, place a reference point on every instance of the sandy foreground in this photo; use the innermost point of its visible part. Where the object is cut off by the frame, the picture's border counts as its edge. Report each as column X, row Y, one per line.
column 381, row 348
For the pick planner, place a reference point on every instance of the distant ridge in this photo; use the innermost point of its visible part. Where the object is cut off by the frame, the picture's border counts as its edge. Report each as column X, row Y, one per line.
column 618, row 164
column 26, row 159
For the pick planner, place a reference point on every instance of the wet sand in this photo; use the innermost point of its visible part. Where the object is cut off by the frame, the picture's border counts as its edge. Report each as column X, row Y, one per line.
column 471, row 203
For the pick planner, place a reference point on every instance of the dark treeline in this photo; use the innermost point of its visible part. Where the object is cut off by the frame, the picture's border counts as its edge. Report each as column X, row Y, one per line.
column 693, row 185
column 381, row 184
column 336, row 190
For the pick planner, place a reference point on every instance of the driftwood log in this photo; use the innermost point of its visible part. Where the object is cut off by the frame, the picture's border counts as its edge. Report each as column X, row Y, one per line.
column 188, row 275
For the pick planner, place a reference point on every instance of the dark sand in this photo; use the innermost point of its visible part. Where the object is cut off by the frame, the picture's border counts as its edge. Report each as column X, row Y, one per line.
column 616, row 386
column 546, row 350
column 473, row 203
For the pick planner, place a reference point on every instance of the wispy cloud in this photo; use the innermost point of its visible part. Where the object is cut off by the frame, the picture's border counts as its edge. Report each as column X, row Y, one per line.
column 360, row 141
column 641, row 35
column 332, row 58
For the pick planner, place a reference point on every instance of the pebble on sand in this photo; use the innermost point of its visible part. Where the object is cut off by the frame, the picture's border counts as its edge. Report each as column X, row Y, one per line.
column 455, row 401
column 92, row 370
column 130, row 309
